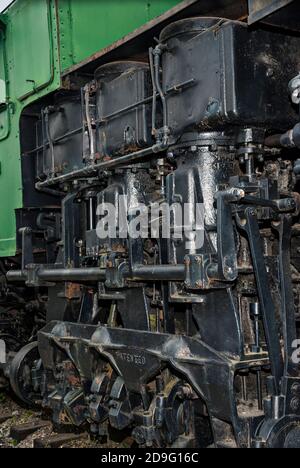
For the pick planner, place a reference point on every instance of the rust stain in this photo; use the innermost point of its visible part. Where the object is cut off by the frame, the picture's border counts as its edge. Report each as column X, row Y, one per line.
column 73, row 291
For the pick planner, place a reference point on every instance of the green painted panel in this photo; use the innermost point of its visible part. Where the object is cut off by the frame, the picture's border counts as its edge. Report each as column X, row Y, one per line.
column 4, row 109
column 89, row 26
column 32, row 52
column 35, row 58
column 3, row 84
column 27, row 49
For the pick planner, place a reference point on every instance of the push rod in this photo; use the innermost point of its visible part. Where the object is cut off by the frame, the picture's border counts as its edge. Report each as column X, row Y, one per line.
column 139, row 273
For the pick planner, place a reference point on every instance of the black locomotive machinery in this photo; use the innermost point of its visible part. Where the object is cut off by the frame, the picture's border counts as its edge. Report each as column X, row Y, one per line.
column 185, row 341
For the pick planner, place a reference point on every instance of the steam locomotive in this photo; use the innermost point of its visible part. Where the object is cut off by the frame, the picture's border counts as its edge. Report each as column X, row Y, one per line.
column 188, row 339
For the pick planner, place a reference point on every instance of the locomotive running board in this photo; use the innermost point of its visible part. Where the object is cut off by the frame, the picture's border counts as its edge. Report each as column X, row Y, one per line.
column 138, row 357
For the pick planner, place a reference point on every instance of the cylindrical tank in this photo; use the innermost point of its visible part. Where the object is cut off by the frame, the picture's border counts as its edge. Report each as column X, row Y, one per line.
column 60, row 137
column 123, row 107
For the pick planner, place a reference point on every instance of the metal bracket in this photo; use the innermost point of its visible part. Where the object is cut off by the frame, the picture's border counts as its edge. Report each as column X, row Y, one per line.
column 196, row 271
column 114, row 272
column 227, row 257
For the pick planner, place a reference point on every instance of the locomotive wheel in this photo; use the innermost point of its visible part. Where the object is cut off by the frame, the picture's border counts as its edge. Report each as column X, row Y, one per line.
column 20, row 374
column 284, row 433
column 179, row 416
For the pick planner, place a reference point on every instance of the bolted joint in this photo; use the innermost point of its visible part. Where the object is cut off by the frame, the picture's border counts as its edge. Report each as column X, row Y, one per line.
column 294, row 89
column 231, row 195
column 197, row 269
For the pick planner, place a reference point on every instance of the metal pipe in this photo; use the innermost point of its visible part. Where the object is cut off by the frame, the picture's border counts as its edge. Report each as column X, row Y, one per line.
column 140, row 273
column 158, row 273
column 60, row 274
column 124, row 110
column 50, row 141
column 72, row 274
column 244, row 387
column 259, row 390
column 94, row 168
column 52, row 192
column 91, row 215
column 16, row 276
column 154, row 95
column 290, row 139
column 54, row 141
column 153, row 98
column 89, row 123
column 157, row 54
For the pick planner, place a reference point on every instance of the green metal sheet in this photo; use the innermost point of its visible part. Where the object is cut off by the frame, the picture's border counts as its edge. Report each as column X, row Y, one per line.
column 41, row 39
column 29, row 56
column 89, row 26
column 31, row 29
column 3, row 77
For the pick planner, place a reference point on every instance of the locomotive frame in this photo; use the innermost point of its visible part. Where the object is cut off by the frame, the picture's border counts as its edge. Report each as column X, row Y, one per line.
column 184, row 346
